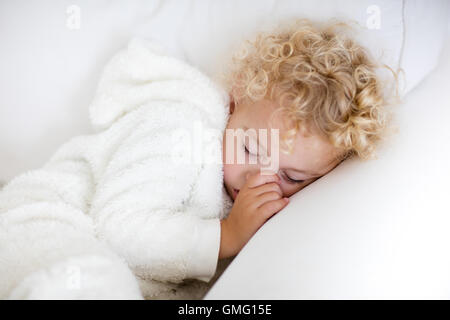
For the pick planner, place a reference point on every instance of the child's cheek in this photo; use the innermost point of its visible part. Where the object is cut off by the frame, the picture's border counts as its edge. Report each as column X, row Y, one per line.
column 227, row 173
column 231, row 175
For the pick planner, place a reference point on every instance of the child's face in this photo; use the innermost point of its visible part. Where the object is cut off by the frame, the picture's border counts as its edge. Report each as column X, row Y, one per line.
column 312, row 156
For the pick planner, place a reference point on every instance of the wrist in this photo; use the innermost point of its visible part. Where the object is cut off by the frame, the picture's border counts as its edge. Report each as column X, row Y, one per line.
column 225, row 246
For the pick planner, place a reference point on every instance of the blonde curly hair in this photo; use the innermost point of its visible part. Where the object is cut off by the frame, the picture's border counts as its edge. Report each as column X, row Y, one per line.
column 323, row 80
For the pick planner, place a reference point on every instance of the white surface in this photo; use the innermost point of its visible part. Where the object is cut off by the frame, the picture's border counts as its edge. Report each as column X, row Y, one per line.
column 376, row 230
column 50, row 68
column 425, row 33
column 50, row 72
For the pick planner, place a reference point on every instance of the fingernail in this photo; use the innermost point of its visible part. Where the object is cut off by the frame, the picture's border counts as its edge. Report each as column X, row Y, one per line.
column 286, row 199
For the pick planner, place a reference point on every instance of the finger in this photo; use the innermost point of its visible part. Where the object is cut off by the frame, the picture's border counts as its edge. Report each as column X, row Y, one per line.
column 259, row 179
column 268, row 209
column 267, row 187
column 266, row 197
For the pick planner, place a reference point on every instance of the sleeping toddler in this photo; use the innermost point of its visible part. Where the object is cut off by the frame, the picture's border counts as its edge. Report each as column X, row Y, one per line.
column 117, row 214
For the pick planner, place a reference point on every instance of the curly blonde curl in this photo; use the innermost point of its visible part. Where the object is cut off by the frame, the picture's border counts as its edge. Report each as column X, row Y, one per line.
column 323, row 80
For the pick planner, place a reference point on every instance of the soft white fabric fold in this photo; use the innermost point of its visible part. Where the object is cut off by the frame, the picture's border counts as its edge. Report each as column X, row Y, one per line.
column 117, row 196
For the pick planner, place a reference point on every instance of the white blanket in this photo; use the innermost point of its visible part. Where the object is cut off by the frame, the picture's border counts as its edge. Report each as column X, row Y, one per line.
column 113, row 207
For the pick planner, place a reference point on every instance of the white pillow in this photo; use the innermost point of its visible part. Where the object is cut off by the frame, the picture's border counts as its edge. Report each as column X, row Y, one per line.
column 425, row 32
column 212, row 31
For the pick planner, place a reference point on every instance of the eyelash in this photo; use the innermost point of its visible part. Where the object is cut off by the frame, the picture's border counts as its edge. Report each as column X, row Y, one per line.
column 292, row 180
column 286, row 176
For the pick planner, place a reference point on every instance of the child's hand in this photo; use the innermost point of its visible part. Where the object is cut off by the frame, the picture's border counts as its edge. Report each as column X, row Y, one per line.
column 259, row 199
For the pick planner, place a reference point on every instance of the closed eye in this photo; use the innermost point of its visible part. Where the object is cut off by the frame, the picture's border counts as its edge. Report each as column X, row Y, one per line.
column 292, row 180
